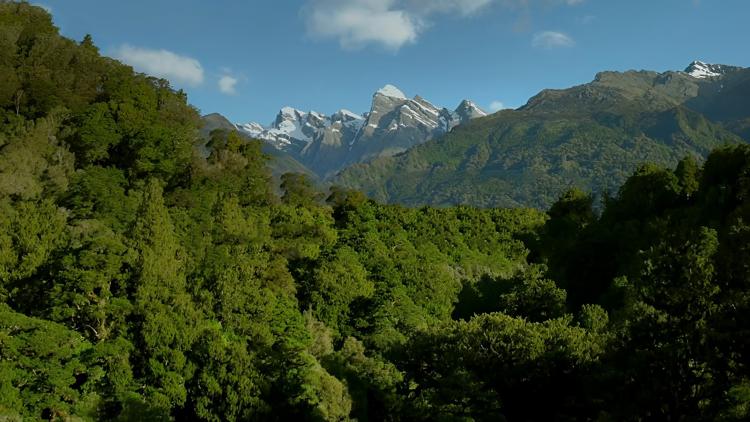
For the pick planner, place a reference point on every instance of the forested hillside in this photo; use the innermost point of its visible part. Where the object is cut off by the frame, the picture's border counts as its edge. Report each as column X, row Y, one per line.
column 590, row 136
column 142, row 280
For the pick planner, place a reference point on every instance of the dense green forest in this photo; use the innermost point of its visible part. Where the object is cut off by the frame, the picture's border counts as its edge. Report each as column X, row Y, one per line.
column 141, row 280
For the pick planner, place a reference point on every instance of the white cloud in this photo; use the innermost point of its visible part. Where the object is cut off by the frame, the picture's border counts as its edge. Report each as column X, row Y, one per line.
column 228, row 85
column 497, row 106
column 388, row 23
column 395, row 23
column 356, row 23
column 552, row 39
column 588, row 19
column 163, row 64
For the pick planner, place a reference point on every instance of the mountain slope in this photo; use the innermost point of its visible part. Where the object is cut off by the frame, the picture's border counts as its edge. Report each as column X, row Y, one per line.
column 280, row 162
column 590, row 136
column 327, row 144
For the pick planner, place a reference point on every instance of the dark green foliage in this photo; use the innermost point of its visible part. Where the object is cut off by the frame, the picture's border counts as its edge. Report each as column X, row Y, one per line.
column 299, row 190
column 43, row 372
column 144, row 276
column 496, row 367
column 90, row 275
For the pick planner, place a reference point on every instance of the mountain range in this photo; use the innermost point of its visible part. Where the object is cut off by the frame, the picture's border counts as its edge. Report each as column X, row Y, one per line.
column 327, row 144
column 279, row 163
column 590, row 136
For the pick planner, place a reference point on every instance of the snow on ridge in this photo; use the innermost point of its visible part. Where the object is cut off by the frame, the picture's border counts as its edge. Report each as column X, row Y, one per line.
column 346, row 113
column 252, row 128
column 293, row 128
column 291, row 112
column 434, row 110
column 702, row 70
column 410, row 112
column 392, row 92
column 471, row 106
column 477, row 109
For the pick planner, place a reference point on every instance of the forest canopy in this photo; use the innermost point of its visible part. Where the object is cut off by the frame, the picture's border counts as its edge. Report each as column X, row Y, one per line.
column 141, row 280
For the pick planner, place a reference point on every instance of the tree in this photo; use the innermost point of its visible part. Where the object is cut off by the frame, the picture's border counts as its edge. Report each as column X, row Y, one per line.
column 29, row 233
column 43, row 370
column 534, row 298
column 666, row 352
column 335, row 285
column 164, row 315
column 299, row 190
column 89, row 291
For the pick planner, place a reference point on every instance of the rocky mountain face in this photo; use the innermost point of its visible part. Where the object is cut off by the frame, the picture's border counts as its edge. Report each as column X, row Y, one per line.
column 701, row 70
column 394, row 124
column 591, row 136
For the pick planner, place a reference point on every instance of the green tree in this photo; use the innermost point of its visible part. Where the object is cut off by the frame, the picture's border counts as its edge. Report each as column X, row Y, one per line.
column 299, row 190
column 164, row 314
column 336, row 284
column 89, row 282
column 43, row 370
column 666, row 352
column 29, row 233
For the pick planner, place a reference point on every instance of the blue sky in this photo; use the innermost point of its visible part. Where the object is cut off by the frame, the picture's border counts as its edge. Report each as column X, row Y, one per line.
column 247, row 59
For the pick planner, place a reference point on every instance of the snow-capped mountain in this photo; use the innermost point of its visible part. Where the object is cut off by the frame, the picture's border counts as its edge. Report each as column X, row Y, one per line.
column 468, row 110
column 393, row 124
column 701, row 70
column 291, row 131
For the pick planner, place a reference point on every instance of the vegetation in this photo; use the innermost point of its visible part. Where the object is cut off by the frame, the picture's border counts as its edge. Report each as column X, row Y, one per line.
column 591, row 136
column 141, row 280
column 280, row 162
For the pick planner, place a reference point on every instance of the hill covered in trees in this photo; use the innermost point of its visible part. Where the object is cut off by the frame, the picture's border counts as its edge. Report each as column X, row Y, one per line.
column 143, row 280
column 590, row 136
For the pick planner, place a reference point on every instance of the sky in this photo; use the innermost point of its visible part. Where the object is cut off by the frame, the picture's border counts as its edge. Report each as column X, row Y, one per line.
column 246, row 59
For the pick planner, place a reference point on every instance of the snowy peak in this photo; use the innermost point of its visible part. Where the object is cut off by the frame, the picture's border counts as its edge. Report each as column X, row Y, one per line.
column 345, row 115
column 702, row 70
column 393, row 124
column 468, row 110
column 391, row 92
column 253, row 129
column 291, row 112
column 290, row 131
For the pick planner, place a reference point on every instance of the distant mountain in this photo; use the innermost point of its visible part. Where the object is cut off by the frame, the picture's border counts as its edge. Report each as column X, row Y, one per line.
column 280, row 162
column 701, row 70
column 327, row 144
column 591, row 136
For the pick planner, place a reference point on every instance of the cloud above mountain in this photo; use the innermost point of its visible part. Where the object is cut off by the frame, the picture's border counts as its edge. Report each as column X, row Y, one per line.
column 356, row 23
column 388, row 23
column 497, row 106
column 165, row 64
column 552, row 39
column 228, row 85
column 394, row 23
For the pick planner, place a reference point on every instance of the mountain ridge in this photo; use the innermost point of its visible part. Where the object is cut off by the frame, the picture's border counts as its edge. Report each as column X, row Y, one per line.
column 590, row 136
column 279, row 162
column 394, row 123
